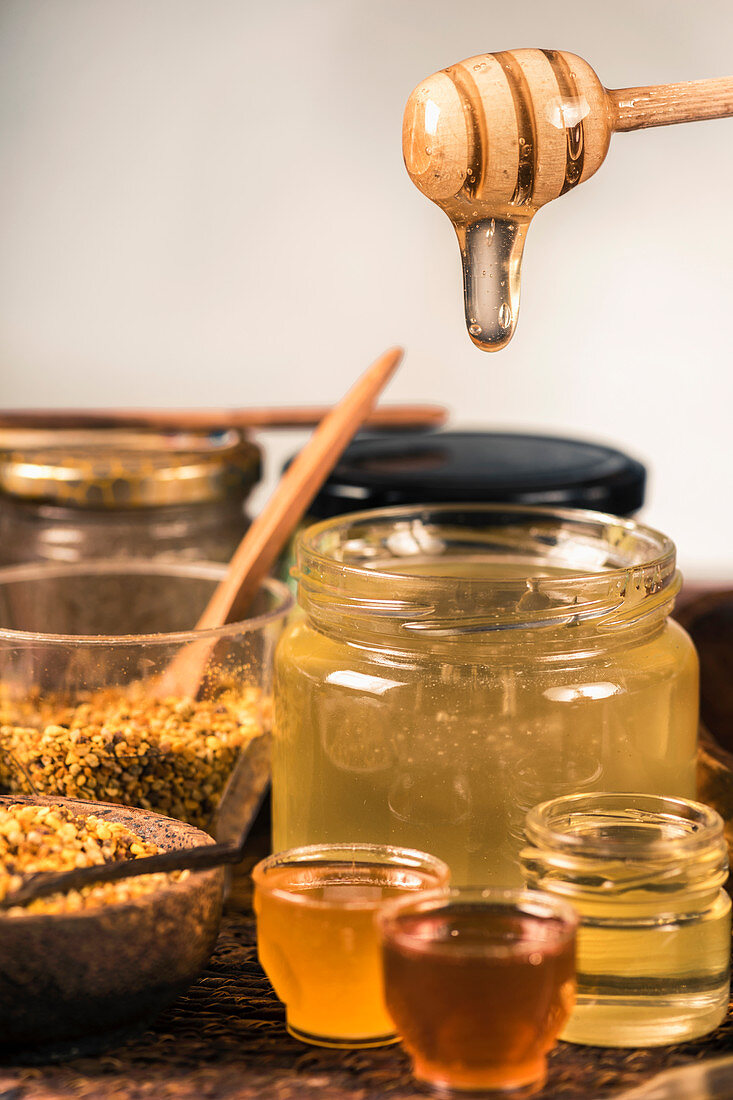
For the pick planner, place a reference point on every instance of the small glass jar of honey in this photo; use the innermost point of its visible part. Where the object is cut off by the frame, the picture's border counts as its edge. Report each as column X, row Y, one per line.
column 317, row 935
column 479, row 983
column 646, row 875
column 455, row 665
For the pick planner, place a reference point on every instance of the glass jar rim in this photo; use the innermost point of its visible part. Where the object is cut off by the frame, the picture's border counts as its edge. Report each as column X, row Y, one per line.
column 213, row 571
column 623, row 565
column 391, row 856
column 705, row 826
column 307, row 538
column 126, row 468
column 537, row 903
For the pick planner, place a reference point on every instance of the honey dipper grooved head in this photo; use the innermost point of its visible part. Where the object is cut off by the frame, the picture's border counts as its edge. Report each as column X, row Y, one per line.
column 514, row 130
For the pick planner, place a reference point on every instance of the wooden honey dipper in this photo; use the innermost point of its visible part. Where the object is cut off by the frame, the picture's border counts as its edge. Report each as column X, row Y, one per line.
column 495, row 137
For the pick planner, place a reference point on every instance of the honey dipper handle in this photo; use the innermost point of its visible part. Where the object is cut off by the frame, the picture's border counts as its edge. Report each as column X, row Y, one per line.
column 665, row 104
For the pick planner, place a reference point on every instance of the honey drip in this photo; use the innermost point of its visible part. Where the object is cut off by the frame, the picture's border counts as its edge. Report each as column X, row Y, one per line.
column 491, row 251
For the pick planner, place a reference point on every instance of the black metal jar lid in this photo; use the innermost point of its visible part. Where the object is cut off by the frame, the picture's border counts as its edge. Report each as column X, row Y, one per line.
column 484, row 467
column 126, row 469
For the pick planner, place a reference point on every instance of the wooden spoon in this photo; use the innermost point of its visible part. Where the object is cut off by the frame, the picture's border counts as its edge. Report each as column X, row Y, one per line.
column 252, row 560
column 273, row 527
column 386, row 418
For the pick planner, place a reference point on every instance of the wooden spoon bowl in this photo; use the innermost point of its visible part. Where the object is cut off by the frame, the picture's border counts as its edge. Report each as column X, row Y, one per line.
column 75, row 983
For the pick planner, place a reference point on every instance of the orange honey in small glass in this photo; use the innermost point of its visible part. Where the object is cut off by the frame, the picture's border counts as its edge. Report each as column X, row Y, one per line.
column 317, row 938
column 479, row 984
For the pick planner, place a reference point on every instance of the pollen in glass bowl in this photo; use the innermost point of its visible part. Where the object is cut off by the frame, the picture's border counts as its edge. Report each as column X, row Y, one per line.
column 83, row 652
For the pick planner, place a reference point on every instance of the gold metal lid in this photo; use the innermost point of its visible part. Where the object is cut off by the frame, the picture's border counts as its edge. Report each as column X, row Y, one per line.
column 126, row 469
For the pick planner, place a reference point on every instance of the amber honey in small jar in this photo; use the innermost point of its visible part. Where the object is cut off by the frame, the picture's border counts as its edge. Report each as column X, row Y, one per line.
column 71, row 496
column 479, row 983
column 317, row 937
column 646, row 875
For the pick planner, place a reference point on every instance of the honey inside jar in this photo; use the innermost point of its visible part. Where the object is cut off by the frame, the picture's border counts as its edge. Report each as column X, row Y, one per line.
column 456, row 666
column 317, row 938
column 479, row 984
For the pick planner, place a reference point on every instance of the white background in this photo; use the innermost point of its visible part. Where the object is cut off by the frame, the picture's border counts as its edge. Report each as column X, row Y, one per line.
column 204, row 202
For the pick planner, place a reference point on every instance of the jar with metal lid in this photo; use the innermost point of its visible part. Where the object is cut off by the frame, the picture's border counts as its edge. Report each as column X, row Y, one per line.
column 646, row 875
column 69, row 496
column 455, row 665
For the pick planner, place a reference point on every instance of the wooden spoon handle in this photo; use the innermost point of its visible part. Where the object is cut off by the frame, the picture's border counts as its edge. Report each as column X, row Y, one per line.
column 286, row 507
column 665, row 104
column 273, row 527
column 402, row 417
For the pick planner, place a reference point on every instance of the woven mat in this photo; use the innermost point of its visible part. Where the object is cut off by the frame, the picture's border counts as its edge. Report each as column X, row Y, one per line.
column 226, row 1040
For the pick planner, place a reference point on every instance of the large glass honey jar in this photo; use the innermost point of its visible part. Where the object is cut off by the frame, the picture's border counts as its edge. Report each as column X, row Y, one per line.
column 455, row 665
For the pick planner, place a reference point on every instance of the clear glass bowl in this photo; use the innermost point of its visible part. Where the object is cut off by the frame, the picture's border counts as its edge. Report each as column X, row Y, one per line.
column 82, row 651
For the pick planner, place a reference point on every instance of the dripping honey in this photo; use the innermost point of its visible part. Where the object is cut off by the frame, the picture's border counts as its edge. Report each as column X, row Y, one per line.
column 491, row 140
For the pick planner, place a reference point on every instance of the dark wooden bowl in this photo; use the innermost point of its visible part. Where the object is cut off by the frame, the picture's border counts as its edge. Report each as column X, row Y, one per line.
column 709, row 622
column 76, row 982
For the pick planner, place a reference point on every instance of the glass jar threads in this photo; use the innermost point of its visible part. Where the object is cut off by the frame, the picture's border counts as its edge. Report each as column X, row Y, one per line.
column 70, row 496
column 646, row 875
column 456, row 665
